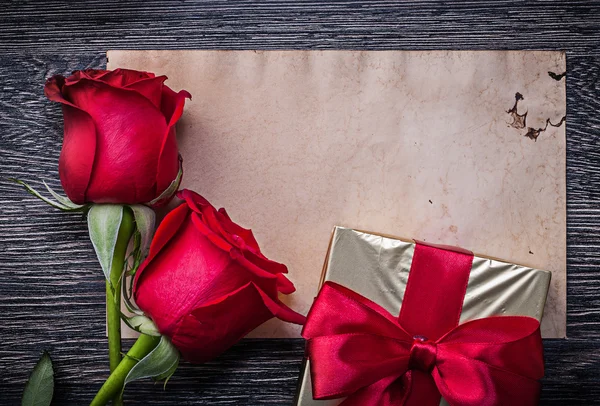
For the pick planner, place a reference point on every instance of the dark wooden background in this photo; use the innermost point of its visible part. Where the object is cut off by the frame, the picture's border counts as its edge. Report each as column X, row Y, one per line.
column 51, row 286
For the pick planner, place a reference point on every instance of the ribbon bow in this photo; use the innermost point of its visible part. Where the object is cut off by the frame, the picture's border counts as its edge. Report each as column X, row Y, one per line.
column 360, row 351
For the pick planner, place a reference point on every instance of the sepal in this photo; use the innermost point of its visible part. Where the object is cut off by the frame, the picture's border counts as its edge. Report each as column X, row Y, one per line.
column 170, row 191
column 159, row 364
column 144, row 230
column 62, row 202
column 167, row 375
column 104, row 221
column 145, row 219
column 127, row 299
column 141, row 324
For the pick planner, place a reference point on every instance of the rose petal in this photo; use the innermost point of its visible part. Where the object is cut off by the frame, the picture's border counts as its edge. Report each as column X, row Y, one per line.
column 167, row 229
column 215, row 238
column 209, row 216
column 265, row 263
column 171, row 104
column 220, row 223
column 214, row 327
column 194, row 200
column 281, row 311
column 79, row 144
column 236, row 229
column 189, row 271
column 284, row 285
column 129, row 130
column 211, row 329
column 262, row 267
column 168, row 163
column 150, row 88
column 123, row 77
column 259, row 272
column 213, row 222
column 236, row 236
column 86, row 73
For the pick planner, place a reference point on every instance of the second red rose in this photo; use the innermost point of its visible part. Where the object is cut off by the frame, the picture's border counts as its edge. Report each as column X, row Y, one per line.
column 206, row 283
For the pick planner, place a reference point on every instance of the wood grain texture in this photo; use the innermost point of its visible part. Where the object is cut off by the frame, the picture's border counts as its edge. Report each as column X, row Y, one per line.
column 51, row 286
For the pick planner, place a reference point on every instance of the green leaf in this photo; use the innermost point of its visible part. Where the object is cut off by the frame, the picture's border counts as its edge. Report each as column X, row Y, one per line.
column 104, row 221
column 144, row 223
column 160, row 362
column 63, row 203
column 141, row 324
column 172, row 187
column 40, row 386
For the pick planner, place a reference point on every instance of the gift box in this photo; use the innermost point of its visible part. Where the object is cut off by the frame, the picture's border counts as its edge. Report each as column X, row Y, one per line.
column 378, row 267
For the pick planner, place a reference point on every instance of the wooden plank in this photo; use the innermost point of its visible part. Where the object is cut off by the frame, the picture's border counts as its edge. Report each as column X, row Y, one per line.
column 264, row 24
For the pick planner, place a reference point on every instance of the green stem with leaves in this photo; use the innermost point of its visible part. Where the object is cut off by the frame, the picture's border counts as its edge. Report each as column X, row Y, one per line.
column 113, row 293
column 114, row 384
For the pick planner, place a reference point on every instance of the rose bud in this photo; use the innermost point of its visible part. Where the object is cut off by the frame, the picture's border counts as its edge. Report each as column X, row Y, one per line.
column 205, row 283
column 119, row 135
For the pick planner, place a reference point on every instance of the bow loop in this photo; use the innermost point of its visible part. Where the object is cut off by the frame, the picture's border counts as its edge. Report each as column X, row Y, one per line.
column 341, row 364
column 359, row 351
column 352, row 312
column 498, row 355
column 496, row 340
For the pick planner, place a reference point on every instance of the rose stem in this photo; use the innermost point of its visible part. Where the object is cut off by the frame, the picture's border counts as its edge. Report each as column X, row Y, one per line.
column 114, row 384
column 113, row 295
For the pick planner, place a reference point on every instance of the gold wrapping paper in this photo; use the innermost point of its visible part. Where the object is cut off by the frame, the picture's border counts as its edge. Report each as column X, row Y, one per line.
column 377, row 267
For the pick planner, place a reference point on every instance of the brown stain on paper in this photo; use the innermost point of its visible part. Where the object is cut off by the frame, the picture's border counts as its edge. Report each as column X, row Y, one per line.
column 520, row 120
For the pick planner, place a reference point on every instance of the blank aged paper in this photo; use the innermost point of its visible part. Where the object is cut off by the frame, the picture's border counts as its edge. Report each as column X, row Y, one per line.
column 432, row 145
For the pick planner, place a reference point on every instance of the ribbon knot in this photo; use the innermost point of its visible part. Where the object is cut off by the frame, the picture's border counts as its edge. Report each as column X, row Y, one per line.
column 423, row 354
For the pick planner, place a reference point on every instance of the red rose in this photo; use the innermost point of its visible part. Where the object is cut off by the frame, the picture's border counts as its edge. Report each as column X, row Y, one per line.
column 206, row 283
column 119, row 144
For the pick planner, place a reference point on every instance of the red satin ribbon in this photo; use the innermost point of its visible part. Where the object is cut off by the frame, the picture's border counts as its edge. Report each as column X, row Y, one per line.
column 360, row 351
